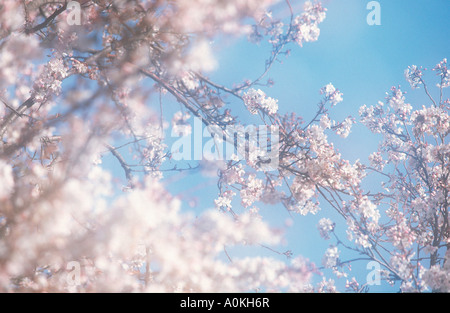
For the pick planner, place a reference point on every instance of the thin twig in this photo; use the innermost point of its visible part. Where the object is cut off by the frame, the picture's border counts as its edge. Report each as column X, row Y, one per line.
column 122, row 162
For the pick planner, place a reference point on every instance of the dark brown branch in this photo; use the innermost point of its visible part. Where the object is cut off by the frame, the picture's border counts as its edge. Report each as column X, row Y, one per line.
column 15, row 114
column 47, row 21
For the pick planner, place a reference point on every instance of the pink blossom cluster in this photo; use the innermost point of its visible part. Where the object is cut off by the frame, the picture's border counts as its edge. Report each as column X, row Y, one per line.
column 306, row 25
column 257, row 100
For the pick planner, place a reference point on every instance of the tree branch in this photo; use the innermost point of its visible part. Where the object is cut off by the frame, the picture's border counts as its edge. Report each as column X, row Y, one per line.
column 122, row 162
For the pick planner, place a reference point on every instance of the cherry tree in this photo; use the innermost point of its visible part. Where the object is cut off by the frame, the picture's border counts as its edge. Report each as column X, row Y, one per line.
column 413, row 157
column 83, row 80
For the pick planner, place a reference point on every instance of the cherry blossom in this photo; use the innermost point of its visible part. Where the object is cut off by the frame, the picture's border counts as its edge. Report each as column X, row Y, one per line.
column 414, row 76
column 77, row 98
column 325, row 226
column 331, row 257
column 257, row 99
column 331, row 93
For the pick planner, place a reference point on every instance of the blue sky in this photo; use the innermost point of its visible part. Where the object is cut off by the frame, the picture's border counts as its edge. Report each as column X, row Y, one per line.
column 362, row 61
